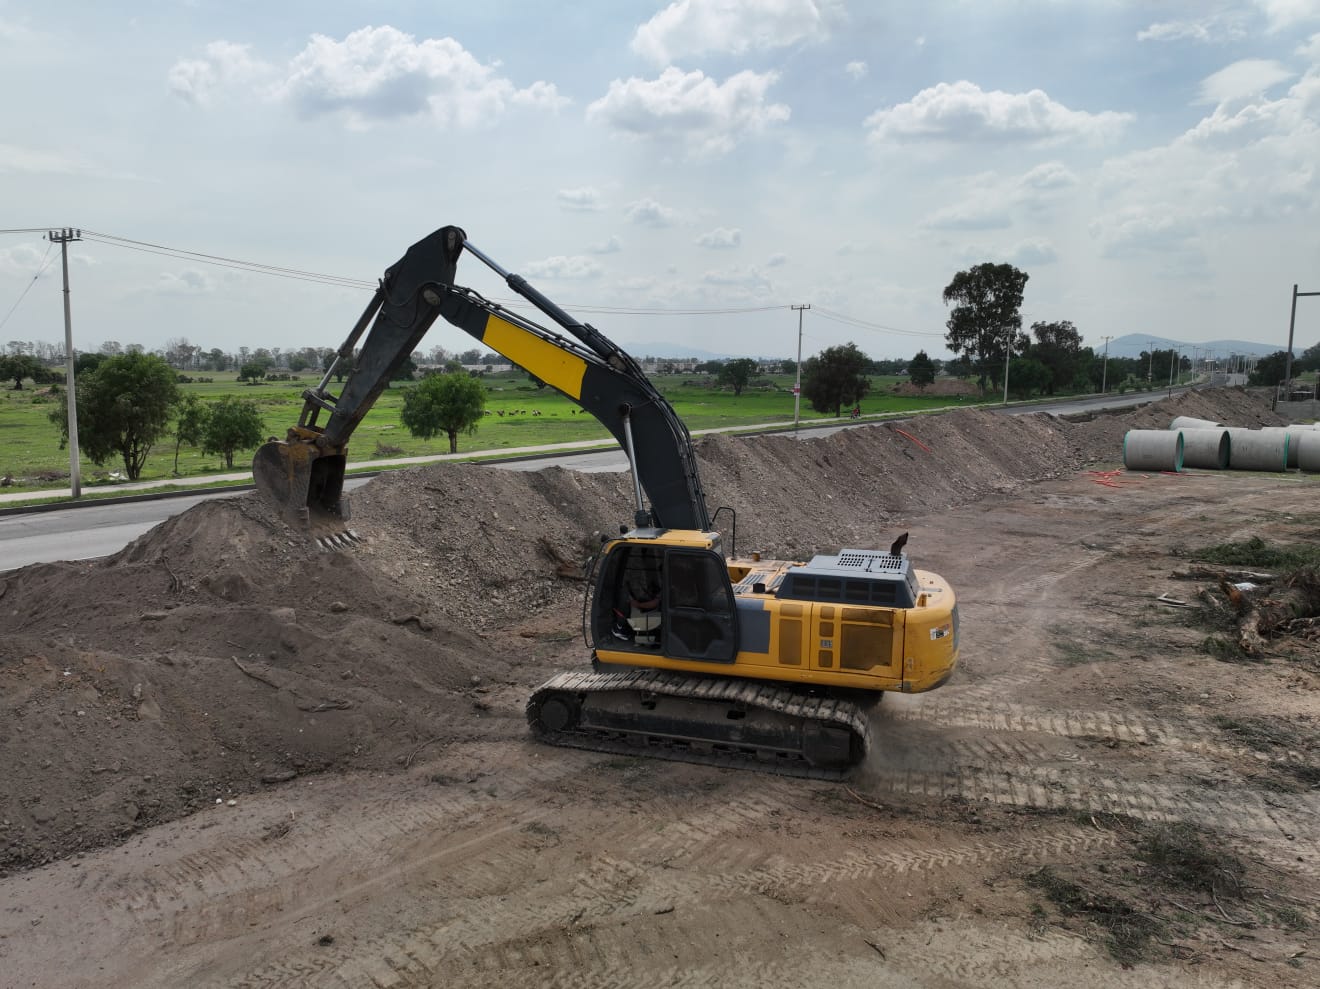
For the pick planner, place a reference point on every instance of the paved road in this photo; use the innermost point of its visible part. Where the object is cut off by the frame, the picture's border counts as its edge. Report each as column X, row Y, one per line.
column 94, row 529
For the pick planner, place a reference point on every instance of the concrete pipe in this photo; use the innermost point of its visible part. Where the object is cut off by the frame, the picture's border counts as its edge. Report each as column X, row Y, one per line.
column 1153, row 449
column 1188, row 422
column 1250, row 449
column 1206, row 448
column 1308, row 450
column 1295, row 434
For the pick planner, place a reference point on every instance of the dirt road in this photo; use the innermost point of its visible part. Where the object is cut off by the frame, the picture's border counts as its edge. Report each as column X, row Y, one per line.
column 1013, row 828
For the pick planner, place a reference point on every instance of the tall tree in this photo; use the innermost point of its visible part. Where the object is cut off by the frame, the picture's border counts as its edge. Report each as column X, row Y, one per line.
column 16, row 367
column 444, row 403
column 232, row 424
column 123, row 408
column 1059, row 347
column 921, row 369
column 986, row 318
column 189, row 424
column 835, row 377
column 736, row 373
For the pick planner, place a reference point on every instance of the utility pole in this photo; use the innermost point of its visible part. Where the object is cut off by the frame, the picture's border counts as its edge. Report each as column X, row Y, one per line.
column 62, row 237
column 1292, row 321
column 1104, row 374
column 1173, row 360
column 797, row 388
column 1008, row 352
column 1150, row 365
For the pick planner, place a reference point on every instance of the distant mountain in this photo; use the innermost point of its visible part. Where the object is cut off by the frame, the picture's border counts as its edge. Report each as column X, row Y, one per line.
column 1136, row 344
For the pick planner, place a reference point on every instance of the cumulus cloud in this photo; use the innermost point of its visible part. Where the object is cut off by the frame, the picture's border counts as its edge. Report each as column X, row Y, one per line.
column 373, row 74
column 1282, row 14
column 23, row 260
column 649, row 213
column 1049, row 175
column 689, row 109
column 611, row 245
column 574, row 267
column 965, row 113
column 738, row 277
column 226, row 66
column 776, row 260
column 586, row 199
column 721, row 238
column 1247, row 78
column 968, row 216
column 855, row 70
column 189, row 281
column 1211, row 29
column 1033, row 252
column 735, row 27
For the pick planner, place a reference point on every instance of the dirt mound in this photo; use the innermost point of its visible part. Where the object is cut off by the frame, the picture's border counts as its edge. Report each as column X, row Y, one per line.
column 220, row 651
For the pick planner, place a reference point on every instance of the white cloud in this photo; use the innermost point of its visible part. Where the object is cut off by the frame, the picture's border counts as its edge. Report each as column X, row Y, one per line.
column 1211, row 29
column 776, row 260
column 721, row 238
column 587, row 199
column 373, row 74
column 22, row 261
column 1049, row 175
column 738, row 277
column 735, row 27
column 1144, row 230
column 962, row 112
column 1311, row 49
column 1246, row 78
column 1282, row 14
column 611, row 245
column 574, row 267
column 226, row 66
column 1033, row 252
column 649, row 213
column 189, row 281
column 687, row 108
column 31, row 161
column 968, row 216
column 855, row 70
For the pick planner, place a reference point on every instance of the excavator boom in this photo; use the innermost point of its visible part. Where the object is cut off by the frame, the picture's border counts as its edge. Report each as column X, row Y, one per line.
column 304, row 473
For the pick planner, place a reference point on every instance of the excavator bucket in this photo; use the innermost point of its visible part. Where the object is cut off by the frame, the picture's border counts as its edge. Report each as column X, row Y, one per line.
column 305, row 482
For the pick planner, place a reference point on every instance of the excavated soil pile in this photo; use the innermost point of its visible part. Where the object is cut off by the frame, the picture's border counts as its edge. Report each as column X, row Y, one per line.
column 220, row 652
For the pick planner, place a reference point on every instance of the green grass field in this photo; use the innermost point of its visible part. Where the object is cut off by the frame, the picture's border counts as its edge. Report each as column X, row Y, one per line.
column 30, row 452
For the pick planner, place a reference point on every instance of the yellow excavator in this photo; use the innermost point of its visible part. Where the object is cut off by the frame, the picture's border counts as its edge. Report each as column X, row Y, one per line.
column 695, row 655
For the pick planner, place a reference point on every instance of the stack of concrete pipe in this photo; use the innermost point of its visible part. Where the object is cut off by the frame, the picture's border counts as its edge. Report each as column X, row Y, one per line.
column 1203, row 443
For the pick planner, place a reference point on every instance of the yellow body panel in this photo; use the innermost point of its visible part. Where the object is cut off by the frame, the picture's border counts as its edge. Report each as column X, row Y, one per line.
column 859, row 647
column 552, row 364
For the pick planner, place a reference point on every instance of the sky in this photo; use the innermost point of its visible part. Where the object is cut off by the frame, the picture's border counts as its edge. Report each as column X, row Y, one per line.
column 679, row 174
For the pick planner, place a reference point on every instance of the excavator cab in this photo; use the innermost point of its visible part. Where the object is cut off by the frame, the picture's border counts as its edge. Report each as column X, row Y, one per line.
column 671, row 599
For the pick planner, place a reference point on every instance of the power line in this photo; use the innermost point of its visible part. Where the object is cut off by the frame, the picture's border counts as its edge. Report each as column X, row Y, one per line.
column 46, row 261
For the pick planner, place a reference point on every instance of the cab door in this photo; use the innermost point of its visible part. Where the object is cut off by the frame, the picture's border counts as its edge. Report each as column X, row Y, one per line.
column 700, row 618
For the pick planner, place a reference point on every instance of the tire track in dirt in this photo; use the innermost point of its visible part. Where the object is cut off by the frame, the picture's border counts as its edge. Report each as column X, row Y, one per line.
column 615, row 889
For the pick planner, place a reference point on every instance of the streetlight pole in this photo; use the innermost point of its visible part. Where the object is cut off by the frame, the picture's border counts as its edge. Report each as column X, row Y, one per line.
column 1173, row 359
column 1104, row 373
column 1150, row 365
column 1292, row 321
column 1008, row 351
column 797, row 387
column 62, row 237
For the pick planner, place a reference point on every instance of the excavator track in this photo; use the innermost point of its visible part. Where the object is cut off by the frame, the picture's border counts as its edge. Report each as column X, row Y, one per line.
column 718, row 721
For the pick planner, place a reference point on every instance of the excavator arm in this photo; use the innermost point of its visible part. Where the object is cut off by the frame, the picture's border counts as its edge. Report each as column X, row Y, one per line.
column 304, row 473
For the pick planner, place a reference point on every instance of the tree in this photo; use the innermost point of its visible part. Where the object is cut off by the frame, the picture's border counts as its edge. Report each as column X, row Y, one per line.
column 444, row 403
column 16, row 367
column 405, row 371
column 788, row 367
column 736, row 373
column 987, row 317
column 835, row 377
column 1268, row 370
column 87, row 362
column 123, row 408
column 1059, row 347
column 921, row 370
column 232, row 424
column 252, row 372
column 189, row 424
column 1027, row 375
